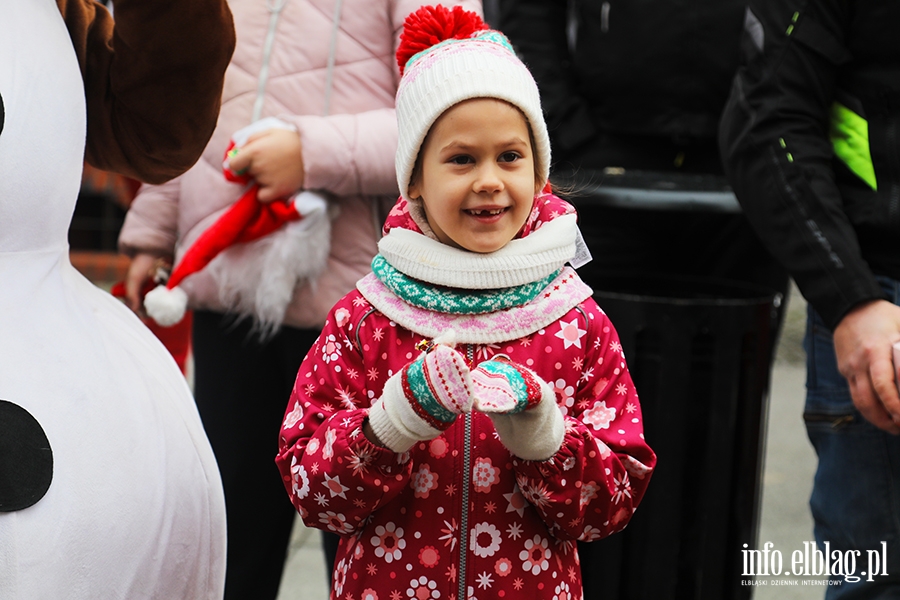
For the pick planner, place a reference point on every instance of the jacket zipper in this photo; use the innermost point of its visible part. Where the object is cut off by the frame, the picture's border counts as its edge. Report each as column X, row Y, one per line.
column 464, row 517
column 274, row 7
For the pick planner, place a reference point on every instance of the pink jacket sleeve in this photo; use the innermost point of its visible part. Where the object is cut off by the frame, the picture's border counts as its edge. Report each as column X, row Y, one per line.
column 591, row 487
column 151, row 224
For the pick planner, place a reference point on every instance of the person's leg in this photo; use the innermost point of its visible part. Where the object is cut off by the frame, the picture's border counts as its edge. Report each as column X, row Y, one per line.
column 241, row 393
column 855, row 500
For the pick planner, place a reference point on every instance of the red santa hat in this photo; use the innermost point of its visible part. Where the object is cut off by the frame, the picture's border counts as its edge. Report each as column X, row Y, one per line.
column 304, row 245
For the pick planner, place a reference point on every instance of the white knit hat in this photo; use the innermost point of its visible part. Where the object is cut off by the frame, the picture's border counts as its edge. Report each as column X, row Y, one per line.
column 447, row 56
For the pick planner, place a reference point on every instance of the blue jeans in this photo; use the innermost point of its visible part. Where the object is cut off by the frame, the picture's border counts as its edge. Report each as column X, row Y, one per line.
column 855, row 500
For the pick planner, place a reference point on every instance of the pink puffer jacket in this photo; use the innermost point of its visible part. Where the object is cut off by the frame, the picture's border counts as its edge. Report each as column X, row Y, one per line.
column 332, row 73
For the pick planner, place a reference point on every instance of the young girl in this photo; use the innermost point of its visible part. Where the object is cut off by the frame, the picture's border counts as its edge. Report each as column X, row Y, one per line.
column 466, row 414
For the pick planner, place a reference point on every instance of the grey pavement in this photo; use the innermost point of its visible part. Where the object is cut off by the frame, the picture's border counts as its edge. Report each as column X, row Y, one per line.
column 787, row 481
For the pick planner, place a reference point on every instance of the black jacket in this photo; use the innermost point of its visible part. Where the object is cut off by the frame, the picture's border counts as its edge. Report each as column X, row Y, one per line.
column 654, row 68
column 825, row 201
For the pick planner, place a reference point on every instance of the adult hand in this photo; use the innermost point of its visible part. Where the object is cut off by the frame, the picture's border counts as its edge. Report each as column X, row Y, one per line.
column 274, row 158
column 863, row 344
column 139, row 271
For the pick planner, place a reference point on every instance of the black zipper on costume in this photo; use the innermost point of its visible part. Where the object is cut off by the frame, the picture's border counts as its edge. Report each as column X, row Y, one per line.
column 466, row 480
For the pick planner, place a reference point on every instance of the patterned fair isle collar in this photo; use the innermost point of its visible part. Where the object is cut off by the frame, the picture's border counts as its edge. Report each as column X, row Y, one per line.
column 563, row 293
column 454, row 300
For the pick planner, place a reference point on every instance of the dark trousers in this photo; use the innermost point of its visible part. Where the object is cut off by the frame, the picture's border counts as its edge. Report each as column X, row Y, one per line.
column 242, row 387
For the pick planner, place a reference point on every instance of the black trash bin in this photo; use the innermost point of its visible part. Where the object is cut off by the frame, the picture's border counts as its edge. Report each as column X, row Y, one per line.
column 699, row 350
column 699, row 353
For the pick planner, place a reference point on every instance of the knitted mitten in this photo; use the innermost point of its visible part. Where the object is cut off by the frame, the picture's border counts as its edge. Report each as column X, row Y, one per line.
column 522, row 407
column 501, row 386
column 423, row 399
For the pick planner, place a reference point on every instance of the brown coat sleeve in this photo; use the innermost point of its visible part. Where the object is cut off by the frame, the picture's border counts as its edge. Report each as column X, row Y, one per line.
column 153, row 82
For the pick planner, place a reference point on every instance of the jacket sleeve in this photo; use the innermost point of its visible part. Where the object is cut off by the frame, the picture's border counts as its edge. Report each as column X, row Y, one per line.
column 153, row 80
column 152, row 220
column 352, row 154
column 591, row 487
column 323, row 453
column 774, row 139
column 537, row 30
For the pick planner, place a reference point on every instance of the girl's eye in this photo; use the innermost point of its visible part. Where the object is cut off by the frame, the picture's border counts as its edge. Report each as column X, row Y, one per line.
column 509, row 157
column 461, row 160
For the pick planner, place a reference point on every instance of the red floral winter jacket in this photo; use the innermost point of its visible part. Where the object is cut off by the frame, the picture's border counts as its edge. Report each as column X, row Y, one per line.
column 460, row 516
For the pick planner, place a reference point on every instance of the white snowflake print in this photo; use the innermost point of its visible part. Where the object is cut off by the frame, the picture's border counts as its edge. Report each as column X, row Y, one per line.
column 331, row 349
column 484, row 352
column 616, row 347
column 514, row 531
column 485, row 580
column 293, row 417
column 485, row 539
column 599, row 416
column 537, row 494
column 335, row 522
column 536, row 555
column 388, row 542
column 449, row 531
column 565, row 395
column 422, row 589
column 334, row 486
column 570, row 333
column 345, row 397
column 623, row 488
column 562, row 592
column 300, row 487
column 360, row 459
column 621, row 389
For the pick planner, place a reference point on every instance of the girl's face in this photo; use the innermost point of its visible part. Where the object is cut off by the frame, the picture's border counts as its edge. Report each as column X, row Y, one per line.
column 476, row 177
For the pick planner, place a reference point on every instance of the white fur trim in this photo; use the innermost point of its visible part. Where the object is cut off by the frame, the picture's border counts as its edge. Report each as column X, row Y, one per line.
column 166, row 306
column 257, row 279
column 537, row 433
column 241, row 136
column 395, row 423
column 521, row 261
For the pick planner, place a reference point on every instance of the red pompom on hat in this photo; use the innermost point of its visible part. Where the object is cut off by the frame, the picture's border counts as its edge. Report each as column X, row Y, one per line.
column 431, row 25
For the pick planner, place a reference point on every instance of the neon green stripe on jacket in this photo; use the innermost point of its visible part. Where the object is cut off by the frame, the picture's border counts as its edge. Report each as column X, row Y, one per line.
column 850, row 139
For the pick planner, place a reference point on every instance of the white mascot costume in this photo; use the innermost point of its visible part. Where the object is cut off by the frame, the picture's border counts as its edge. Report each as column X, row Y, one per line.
column 108, row 486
